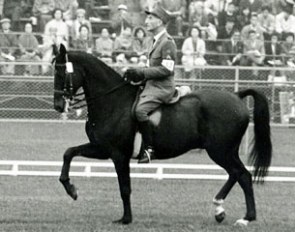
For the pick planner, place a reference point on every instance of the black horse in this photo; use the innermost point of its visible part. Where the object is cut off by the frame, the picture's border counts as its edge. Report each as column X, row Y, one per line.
column 212, row 120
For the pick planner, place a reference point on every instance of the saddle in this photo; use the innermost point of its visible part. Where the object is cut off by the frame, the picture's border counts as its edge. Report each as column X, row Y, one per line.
column 155, row 116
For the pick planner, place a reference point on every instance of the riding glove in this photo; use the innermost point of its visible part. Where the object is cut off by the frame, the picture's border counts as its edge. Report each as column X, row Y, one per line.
column 134, row 74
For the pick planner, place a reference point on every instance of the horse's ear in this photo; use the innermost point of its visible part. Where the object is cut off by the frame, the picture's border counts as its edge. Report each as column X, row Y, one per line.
column 62, row 50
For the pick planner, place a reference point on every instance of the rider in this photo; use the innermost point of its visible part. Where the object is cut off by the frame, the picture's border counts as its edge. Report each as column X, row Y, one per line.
column 158, row 76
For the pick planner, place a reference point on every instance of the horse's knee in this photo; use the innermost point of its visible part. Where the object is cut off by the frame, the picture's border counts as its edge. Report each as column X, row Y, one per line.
column 69, row 154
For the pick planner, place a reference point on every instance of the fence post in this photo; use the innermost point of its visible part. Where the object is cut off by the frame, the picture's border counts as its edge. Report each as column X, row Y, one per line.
column 237, row 77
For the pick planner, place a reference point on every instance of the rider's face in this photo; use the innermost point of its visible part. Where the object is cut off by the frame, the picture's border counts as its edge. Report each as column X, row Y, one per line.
column 152, row 23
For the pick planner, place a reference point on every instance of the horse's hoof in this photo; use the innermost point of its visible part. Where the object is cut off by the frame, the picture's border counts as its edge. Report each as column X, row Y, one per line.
column 124, row 221
column 241, row 222
column 72, row 191
column 220, row 217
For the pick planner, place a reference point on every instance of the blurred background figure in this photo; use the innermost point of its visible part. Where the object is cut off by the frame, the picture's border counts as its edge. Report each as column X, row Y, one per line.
column 141, row 44
column 123, row 49
column 266, row 21
column 28, row 45
column 8, row 46
column 193, row 51
column 78, row 22
column 84, row 40
column 42, row 11
column 104, row 46
column 121, row 20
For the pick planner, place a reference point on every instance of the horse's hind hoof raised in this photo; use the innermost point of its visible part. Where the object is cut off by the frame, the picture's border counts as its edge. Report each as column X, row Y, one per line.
column 220, row 217
column 70, row 189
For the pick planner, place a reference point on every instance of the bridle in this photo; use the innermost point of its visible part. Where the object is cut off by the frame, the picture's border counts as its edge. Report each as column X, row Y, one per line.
column 68, row 89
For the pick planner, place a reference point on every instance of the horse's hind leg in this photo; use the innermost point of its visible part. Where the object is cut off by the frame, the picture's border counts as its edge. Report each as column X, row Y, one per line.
column 87, row 150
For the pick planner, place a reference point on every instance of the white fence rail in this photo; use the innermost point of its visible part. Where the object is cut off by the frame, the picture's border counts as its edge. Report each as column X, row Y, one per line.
column 17, row 168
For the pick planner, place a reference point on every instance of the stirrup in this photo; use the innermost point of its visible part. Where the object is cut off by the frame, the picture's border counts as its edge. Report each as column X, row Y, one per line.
column 146, row 156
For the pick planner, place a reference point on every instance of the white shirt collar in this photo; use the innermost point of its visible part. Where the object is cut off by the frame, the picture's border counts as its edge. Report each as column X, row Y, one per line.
column 158, row 36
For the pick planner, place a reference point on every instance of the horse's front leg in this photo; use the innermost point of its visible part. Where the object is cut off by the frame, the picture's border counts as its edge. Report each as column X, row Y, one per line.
column 87, row 150
column 123, row 172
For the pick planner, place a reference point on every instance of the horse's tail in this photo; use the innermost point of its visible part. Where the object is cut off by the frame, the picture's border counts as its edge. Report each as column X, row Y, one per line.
column 261, row 154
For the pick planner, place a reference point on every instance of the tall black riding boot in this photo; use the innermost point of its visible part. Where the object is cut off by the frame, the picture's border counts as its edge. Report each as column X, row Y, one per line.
column 147, row 136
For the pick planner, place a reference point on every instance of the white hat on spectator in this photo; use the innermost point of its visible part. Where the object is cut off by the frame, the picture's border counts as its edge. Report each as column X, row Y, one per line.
column 5, row 20
column 122, row 7
column 81, row 11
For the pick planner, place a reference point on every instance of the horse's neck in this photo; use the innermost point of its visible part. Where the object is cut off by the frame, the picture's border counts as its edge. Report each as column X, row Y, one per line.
column 103, row 106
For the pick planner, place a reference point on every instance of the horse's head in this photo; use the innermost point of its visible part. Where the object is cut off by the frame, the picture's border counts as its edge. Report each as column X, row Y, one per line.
column 67, row 79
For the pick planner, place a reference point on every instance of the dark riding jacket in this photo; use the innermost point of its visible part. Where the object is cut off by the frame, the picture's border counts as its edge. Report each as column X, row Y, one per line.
column 160, row 73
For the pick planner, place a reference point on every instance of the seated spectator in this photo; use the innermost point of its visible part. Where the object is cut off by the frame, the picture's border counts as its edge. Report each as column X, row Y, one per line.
column 287, row 46
column 68, row 8
column 253, row 50
column 141, row 44
column 15, row 10
column 104, row 46
column 123, row 46
column 42, row 11
column 197, row 16
column 273, row 51
column 121, row 20
column 28, row 44
column 84, row 40
column 177, row 11
column 253, row 26
column 243, row 18
column 266, row 21
column 285, row 22
column 193, row 51
column 254, row 5
column 8, row 45
column 78, row 22
column 58, row 23
column 226, row 31
column 229, row 14
column 233, row 49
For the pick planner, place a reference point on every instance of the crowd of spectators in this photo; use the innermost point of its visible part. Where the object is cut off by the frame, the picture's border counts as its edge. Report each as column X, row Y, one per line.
column 224, row 32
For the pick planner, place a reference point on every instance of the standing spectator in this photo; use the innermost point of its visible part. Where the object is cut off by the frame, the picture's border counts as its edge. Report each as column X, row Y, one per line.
column 28, row 44
column 266, row 21
column 8, row 46
column 68, row 7
column 177, row 12
column 58, row 23
column 229, row 14
column 253, row 26
column 121, row 20
column 193, row 51
column 141, row 43
column 243, row 18
column 123, row 45
column 78, row 22
column 285, row 22
column 254, row 5
column 233, row 49
column 253, row 50
column 104, row 46
column 84, row 41
column 42, row 10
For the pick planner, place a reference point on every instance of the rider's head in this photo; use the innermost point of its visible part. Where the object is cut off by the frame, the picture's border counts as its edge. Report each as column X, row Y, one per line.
column 156, row 19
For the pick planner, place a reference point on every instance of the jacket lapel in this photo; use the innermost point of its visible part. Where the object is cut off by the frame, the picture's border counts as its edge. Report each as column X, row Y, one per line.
column 157, row 43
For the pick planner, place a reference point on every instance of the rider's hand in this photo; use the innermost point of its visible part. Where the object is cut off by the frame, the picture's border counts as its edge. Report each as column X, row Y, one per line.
column 134, row 74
